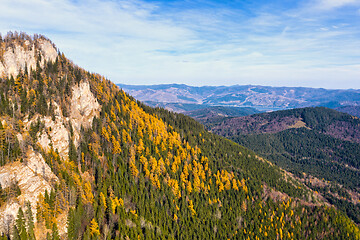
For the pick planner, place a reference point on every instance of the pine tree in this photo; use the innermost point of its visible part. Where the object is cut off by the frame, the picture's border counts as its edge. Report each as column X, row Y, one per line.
column 21, row 225
column 29, row 221
column 15, row 233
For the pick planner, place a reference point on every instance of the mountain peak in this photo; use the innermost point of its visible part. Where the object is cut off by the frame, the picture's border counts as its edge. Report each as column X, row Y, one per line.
column 19, row 51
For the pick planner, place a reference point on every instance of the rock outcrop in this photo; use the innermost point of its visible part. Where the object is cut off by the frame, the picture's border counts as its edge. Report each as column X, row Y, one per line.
column 84, row 107
column 18, row 57
column 56, row 133
column 33, row 176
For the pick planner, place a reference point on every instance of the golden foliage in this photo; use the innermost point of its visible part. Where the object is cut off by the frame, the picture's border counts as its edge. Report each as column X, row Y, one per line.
column 87, row 196
column 94, row 228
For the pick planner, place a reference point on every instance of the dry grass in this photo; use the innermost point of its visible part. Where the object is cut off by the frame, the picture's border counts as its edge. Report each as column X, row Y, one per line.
column 298, row 124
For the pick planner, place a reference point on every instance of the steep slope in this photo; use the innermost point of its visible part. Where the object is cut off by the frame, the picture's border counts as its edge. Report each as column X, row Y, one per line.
column 320, row 142
column 260, row 97
column 32, row 121
column 130, row 171
column 20, row 51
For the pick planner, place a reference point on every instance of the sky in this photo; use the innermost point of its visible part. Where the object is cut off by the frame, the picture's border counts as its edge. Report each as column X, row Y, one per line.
column 309, row 43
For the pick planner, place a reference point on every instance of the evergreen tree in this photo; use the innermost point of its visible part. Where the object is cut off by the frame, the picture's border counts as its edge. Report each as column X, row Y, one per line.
column 71, row 231
column 29, row 221
column 16, row 234
column 21, row 225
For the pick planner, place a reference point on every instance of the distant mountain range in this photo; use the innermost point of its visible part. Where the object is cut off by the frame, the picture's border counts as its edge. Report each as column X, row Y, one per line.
column 181, row 98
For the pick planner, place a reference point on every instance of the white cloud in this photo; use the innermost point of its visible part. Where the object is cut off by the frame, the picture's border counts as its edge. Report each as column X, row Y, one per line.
column 136, row 42
column 331, row 4
column 110, row 30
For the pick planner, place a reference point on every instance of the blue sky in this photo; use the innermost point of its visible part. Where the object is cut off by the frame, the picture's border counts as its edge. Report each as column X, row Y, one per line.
column 312, row 43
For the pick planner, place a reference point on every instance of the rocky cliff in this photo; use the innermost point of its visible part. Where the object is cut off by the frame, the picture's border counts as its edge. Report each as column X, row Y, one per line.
column 17, row 56
column 29, row 173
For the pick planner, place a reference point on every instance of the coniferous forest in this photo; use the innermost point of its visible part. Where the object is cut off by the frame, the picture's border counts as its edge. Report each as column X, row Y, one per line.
column 147, row 173
column 324, row 145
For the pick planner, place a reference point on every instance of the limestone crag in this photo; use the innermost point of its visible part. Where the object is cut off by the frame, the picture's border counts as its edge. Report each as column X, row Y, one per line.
column 31, row 173
column 17, row 57
column 84, row 107
column 33, row 177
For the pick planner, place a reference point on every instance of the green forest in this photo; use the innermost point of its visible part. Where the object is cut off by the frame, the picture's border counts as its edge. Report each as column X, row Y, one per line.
column 326, row 147
column 302, row 150
column 146, row 173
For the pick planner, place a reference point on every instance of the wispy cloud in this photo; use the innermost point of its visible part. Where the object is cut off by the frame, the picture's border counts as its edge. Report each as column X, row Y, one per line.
column 331, row 4
column 200, row 42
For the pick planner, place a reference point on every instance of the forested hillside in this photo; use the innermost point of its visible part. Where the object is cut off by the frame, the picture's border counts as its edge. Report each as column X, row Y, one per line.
column 309, row 142
column 127, row 171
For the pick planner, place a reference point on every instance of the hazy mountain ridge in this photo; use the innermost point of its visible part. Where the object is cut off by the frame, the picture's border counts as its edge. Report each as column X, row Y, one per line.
column 260, row 97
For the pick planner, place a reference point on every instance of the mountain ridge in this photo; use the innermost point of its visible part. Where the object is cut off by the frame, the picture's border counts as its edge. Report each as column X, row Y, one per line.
column 259, row 97
column 216, row 114
column 352, row 110
column 329, row 121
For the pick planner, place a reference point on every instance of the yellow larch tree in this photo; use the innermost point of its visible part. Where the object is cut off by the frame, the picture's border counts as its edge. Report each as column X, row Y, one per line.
column 87, row 196
column 105, row 134
column 191, row 207
column 133, row 168
column 94, row 228
column 116, row 146
column 140, row 147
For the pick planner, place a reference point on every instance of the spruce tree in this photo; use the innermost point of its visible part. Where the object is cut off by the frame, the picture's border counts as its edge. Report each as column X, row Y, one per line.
column 29, row 221
column 21, row 225
column 71, row 224
column 15, row 233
